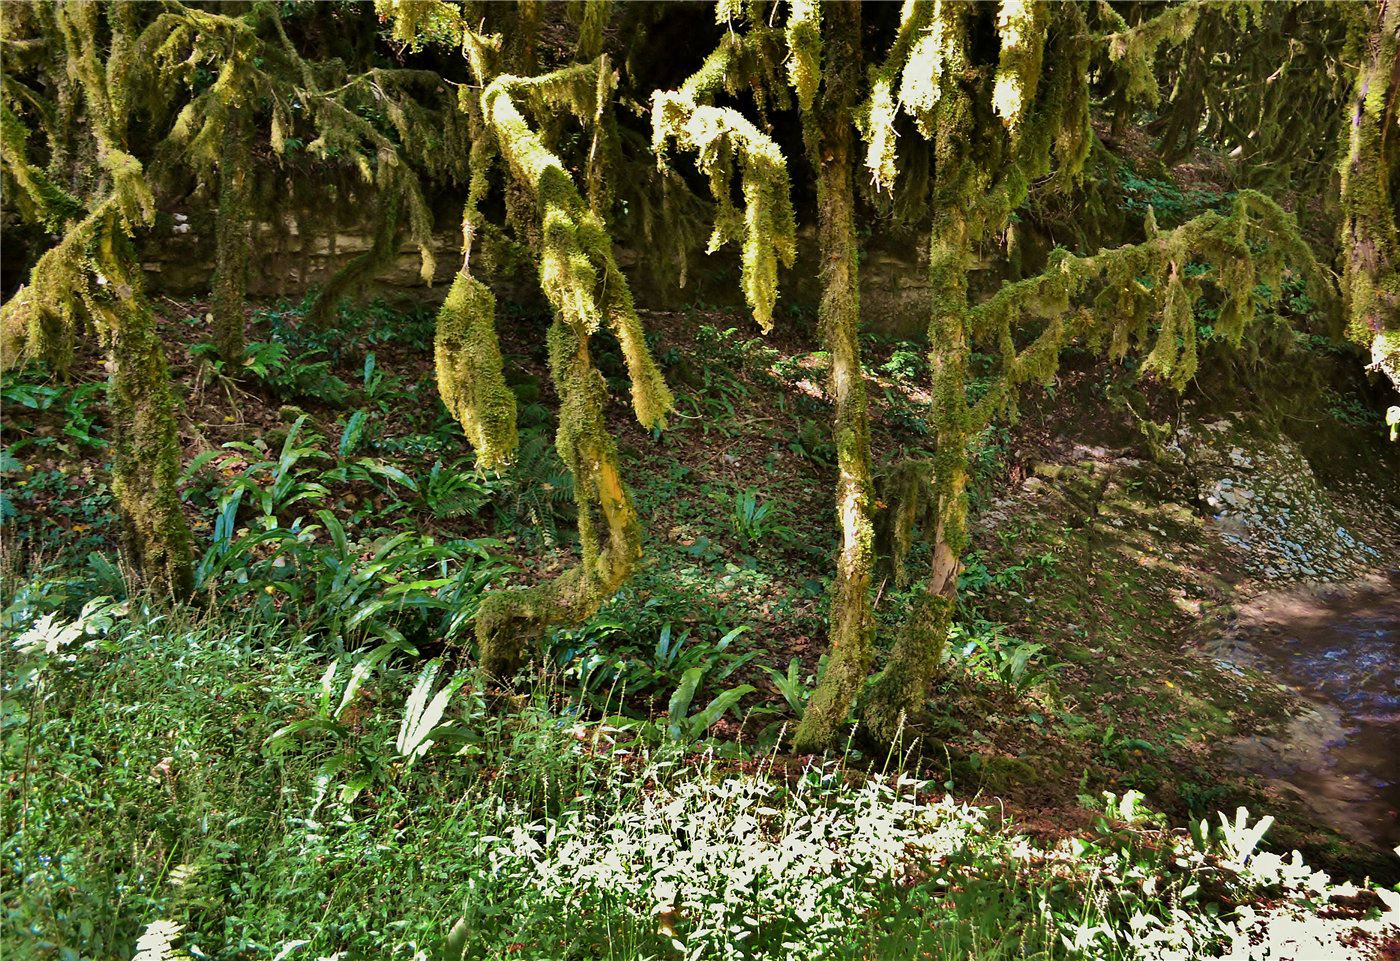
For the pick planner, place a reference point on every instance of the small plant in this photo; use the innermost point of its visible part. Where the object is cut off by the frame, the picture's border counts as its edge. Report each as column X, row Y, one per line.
column 1012, row 663
column 300, row 376
column 274, row 486
column 754, row 520
column 790, row 684
column 422, row 717
column 684, row 727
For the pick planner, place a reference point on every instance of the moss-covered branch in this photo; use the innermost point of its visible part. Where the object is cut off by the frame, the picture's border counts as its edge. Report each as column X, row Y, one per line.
column 581, row 279
column 721, row 137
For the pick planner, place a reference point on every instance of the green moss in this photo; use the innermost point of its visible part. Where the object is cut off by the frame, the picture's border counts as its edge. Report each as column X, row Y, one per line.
column 469, row 375
column 1369, row 168
column 906, row 491
column 804, row 40
column 580, row 277
column 896, row 696
column 721, row 137
column 1021, row 26
column 146, row 445
column 233, row 242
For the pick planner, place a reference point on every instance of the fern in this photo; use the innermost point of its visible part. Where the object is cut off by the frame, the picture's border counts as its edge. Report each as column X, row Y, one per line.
column 422, row 716
column 157, row 942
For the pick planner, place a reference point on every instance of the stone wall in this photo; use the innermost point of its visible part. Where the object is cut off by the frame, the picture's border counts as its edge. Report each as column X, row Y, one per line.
column 179, row 262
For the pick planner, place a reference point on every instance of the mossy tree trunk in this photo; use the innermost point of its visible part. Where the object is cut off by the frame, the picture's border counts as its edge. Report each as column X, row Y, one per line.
column 145, row 447
column 830, row 140
column 232, row 230
column 898, row 693
column 1370, row 170
column 581, row 278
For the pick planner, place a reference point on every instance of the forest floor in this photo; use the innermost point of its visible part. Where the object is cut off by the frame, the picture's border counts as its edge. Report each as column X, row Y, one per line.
column 1103, row 559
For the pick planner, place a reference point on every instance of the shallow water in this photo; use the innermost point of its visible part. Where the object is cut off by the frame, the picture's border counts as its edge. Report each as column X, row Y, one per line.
column 1342, row 651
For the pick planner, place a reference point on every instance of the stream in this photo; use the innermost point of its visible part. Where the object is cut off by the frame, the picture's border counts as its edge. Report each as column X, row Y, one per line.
column 1341, row 650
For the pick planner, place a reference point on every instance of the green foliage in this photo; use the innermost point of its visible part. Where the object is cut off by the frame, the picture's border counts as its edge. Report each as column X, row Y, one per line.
column 524, row 836
column 795, row 691
column 1164, row 200
column 1013, row 664
column 755, row 520
column 682, row 726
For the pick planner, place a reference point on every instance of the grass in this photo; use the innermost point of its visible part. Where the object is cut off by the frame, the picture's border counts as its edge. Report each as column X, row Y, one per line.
column 149, row 785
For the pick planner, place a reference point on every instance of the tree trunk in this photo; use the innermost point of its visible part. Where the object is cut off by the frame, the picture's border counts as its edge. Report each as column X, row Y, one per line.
column 899, row 692
column 1370, row 232
column 233, row 239
column 830, row 146
column 145, row 448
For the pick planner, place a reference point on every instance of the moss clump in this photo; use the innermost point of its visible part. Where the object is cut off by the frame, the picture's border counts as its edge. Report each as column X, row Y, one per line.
column 896, row 696
column 906, row 490
column 580, row 277
column 721, row 138
column 469, row 374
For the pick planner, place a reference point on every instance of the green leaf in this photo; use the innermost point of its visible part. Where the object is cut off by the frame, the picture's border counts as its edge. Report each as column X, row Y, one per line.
column 680, row 700
column 277, row 741
column 350, row 437
column 715, row 710
column 194, row 466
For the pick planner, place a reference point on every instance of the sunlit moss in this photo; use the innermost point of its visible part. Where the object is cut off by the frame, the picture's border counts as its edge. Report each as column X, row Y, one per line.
column 1369, row 168
column 766, row 228
column 469, row 375
column 1021, row 29
column 804, row 40
column 575, row 256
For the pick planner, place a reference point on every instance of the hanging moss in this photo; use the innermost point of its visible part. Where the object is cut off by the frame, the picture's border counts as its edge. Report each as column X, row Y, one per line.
column 1021, row 26
column 916, row 56
column 469, row 374
column 1133, row 50
column 767, row 228
column 907, row 492
column 592, row 17
column 48, row 202
column 804, row 40
column 574, row 251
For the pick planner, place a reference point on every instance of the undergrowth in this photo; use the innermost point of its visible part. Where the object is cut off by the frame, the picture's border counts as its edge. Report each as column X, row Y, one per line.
column 218, row 787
